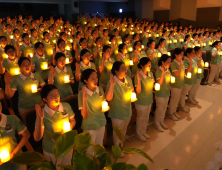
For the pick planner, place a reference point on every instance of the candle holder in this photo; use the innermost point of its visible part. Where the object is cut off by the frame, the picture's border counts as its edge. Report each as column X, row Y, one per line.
column 34, row 88
column 157, row 86
column 189, row 75
column 66, row 126
column 172, row 79
column 133, row 97
column 131, row 62
column 66, row 79
column 105, row 106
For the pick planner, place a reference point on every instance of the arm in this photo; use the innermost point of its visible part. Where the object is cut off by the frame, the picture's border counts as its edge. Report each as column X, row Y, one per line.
column 2, row 69
column 109, row 94
column 78, row 74
column 9, row 93
column 215, row 54
column 72, row 122
column 101, row 68
column 199, row 62
column 135, row 58
column 138, row 86
column 177, row 73
column 51, row 78
column 39, row 129
column 160, row 81
column 84, row 110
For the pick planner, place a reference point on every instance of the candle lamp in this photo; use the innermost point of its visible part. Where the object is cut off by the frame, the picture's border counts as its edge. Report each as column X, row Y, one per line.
column 105, row 106
column 172, row 80
column 130, row 49
column 66, row 79
column 189, row 75
column 133, row 97
column 66, row 126
column 157, row 86
column 206, row 64
column 71, row 40
column 159, row 55
column 11, row 36
column 168, row 53
column 199, row 71
column 44, row 65
column 34, row 88
column 31, row 55
column 68, row 48
column 142, row 46
column 4, row 155
column 131, row 62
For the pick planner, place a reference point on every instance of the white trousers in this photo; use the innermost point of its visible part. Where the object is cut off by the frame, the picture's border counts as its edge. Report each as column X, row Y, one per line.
column 193, row 90
column 184, row 92
column 213, row 73
column 174, row 100
column 220, row 70
column 97, row 137
column 66, row 160
column 143, row 113
column 122, row 124
column 161, row 107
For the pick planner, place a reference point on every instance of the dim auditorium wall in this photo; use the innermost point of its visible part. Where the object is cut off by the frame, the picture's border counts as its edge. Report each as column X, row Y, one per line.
column 205, row 17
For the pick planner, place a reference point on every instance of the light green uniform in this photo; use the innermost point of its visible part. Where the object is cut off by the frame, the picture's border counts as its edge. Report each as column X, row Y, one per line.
column 179, row 81
column 199, row 75
column 165, row 87
column 14, row 41
column 53, row 123
column 154, row 62
column 105, row 75
column 10, row 125
column 35, row 40
column 65, row 89
column 48, row 47
column 10, row 65
column 96, row 119
column 193, row 79
column 37, row 61
column 126, row 60
column 27, row 99
column 120, row 105
column 215, row 60
column 145, row 97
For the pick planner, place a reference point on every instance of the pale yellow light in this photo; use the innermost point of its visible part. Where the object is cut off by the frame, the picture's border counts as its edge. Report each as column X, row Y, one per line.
column 4, row 155
column 172, row 79
column 133, row 97
column 206, row 64
column 199, row 71
column 66, row 79
column 157, row 86
column 66, row 126
column 131, row 62
column 105, row 106
column 34, row 88
column 189, row 75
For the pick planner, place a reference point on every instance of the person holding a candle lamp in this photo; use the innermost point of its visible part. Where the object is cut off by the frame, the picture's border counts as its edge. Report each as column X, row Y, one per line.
column 214, row 65
column 172, row 39
column 161, row 46
column 97, row 54
column 136, row 55
column 23, row 83
column 26, row 49
column 209, row 37
column 162, row 96
column 57, row 76
column 48, row 46
column 83, row 45
column 9, row 126
column 92, row 40
column 178, row 71
column 105, row 66
column 84, row 64
column 187, row 43
column 3, row 43
column 16, row 38
column 90, row 100
column 114, row 47
column 124, row 57
column 51, row 119
column 200, row 73
column 11, row 63
column 190, row 79
column 144, row 88
column 63, row 36
column 118, row 93
column 166, row 39
column 126, row 40
column 152, row 55
column 40, row 61
column 34, row 37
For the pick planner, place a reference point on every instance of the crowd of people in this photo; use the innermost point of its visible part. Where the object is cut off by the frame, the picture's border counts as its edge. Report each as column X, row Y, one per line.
column 115, row 62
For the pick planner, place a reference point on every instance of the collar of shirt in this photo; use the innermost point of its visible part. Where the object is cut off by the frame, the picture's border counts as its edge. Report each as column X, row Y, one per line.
column 109, row 59
column 91, row 92
column 161, row 68
column 144, row 75
column 61, row 51
column 27, row 45
column 124, row 56
column 84, row 66
column 52, row 112
column 176, row 61
column 38, row 56
column 24, row 77
column 186, row 58
column 3, row 120
column 120, row 82
column 46, row 42
column 58, row 70
column 16, row 39
column 9, row 61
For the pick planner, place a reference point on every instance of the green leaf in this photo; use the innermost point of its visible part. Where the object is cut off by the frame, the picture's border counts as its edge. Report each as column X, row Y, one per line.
column 82, row 142
column 66, row 167
column 98, row 149
column 64, row 144
column 55, row 136
column 96, row 164
column 82, row 161
column 43, row 169
column 130, row 167
column 142, row 167
column 28, row 158
column 47, row 165
column 104, row 160
column 116, row 152
column 128, row 150
column 119, row 133
column 140, row 152
column 119, row 166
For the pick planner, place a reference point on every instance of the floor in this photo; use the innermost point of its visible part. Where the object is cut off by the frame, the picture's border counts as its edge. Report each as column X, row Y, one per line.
column 189, row 144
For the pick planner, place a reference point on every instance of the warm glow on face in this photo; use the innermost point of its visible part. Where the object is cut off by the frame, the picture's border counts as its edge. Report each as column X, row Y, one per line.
column 66, row 126
column 105, row 106
column 34, row 88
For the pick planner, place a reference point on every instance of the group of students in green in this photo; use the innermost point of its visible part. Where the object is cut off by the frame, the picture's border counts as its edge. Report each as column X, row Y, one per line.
column 111, row 59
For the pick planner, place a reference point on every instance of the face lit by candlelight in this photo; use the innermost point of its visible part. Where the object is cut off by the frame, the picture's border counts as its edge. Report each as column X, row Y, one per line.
column 53, row 98
column 147, row 67
column 26, row 39
column 40, row 50
column 179, row 57
column 61, row 62
column 92, row 80
column 84, row 43
column 86, row 58
column 25, row 67
column 167, row 63
column 3, row 42
column 11, row 54
column 121, row 73
column 47, row 37
column 107, row 53
column 17, row 34
column 62, row 46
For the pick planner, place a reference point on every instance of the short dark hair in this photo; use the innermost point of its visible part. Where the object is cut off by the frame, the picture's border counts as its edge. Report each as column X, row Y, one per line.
column 21, row 59
column 85, row 75
column 7, row 47
column 59, row 55
column 46, row 90
column 38, row 44
column 116, row 67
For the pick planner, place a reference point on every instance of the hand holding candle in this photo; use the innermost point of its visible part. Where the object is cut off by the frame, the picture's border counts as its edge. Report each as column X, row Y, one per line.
column 157, row 86
column 66, row 126
column 133, row 97
column 189, row 75
column 34, row 88
column 172, row 79
column 105, row 106
column 4, row 155
column 66, row 79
